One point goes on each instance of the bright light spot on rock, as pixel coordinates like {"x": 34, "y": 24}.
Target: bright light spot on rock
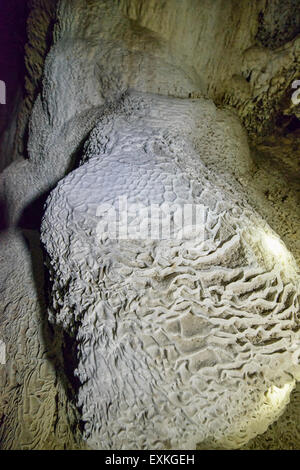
{"x": 279, "y": 397}
{"x": 275, "y": 245}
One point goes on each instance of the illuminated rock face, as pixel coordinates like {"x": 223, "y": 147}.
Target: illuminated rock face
{"x": 81, "y": 57}
{"x": 180, "y": 341}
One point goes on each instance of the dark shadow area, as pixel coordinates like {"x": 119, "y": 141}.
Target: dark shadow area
{"x": 287, "y": 124}
{"x": 61, "y": 349}
{"x": 3, "y": 216}
{"x": 279, "y": 23}
{"x": 13, "y": 37}
{"x": 293, "y": 125}
{"x": 31, "y": 217}
{"x": 25, "y": 141}
{"x": 76, "y": 155}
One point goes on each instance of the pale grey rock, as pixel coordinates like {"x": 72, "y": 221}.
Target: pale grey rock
{"x": 97, "y": 51}
{"x": 180, "y": 342}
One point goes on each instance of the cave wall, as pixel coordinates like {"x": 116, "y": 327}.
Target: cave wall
{"x": 81, "y": 56}
{"x": 12, "y": 67}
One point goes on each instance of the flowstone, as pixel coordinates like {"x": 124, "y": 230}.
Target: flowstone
{"x": 181, "y": 341}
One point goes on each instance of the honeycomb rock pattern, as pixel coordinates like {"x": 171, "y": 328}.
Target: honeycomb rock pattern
{"x": 181, "y": 342}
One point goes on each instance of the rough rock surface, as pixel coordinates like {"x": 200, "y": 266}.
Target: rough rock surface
{"x": 98, "y": 50}
{"x": 179, "y": 342}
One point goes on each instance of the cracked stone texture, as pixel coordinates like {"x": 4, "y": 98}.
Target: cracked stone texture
{"x": 81, "y": 57}
{"x": 179, "y": 342}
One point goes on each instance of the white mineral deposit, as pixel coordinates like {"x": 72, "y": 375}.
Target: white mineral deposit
{"x": 150, "y": 244}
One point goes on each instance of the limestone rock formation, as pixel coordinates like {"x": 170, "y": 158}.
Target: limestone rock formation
{"x": 182, "y": 340}
{"x": 199, "y": 91}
